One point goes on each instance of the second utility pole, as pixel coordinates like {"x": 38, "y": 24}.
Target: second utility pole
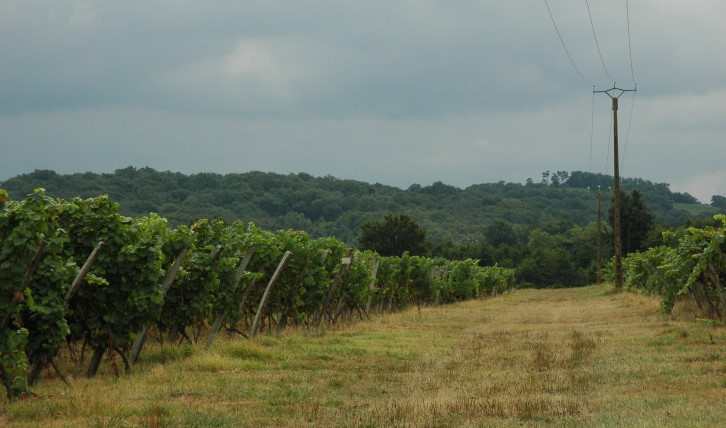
{"x": 616, "y": 185}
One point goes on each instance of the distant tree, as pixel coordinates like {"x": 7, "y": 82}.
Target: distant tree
{"x": 545, "y": 177}
{"x": 683, "y": 198}
{"x": 547, "y": 267}
{"x": 439, "y": 188}
{"x": 540, "y": 239}
{"x": 510, "y": 256}
{"x": 701, "y": 223}
{"x": 394, "y": 235}
{"x": 636, "y": 222}
{"x": 500, "y": 232}
{"x": 718, "y": 201}
{"x": 452, "y": 251}
{"x": 559, "y": 177}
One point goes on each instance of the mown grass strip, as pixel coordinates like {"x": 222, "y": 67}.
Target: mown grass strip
{"x": 576, "y": 357}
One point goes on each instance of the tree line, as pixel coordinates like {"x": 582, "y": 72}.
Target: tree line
{"x": 563, "y": 254}
{"x": 328, "y": 206}
{"x": 545, "y": 229}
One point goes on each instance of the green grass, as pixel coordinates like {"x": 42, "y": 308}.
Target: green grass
{"x": 697, "y": 209}
{"x": 569, "y": 357}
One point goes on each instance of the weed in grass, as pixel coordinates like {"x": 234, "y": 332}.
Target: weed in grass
{"x": 712, "y": 370}
{"x": 282, "y": 394}
{"x": 581, "y": 347}
{"x": 166, "y": 354}
{"x": 109, "y": 422}
{"x": 321, "y": 357}
{"x": 580, "y": 381}
{"x": 33, "y": 408}
{"x": 268, "y": 340}
{"x": 336, "y": 383}
{"x": 245, "y": 350}
{"x": 661, "y": 341}
{"x": 155, "y": 417}
{"x": 194, "y": 418}
{"x": 707, "y": 358}
{"x": 312, "y": 411}
{"x": 544, "y": 358}
{"x": 425, "y": 412}
{"x": 676, "y": 333}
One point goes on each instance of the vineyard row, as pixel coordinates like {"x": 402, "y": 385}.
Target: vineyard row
{"x": 78, "y": 272}
{"x": 692, "y": 263}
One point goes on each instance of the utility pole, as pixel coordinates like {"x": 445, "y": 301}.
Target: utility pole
{"x": 598, "y": 237}
{"x": 614, "y": 93}
{"x": 598, "y": 258}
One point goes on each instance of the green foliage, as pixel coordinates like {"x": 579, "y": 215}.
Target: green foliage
{"x": 13, "y": 359}
{"x": 697, "y": 210}
{"x": 31, "y": 296}
{"x": 500, "y": 232}
{"x": 636, "y": 222}
{"x": 646, "y": 272}
{"x": 122, "y": 293}
{"x": 327, "y": 206}
{"x": 693, "y": 263}
{"x": 547, "y": 267}
{"x": 718, "y": 201}
{"x": 394, "y": 235}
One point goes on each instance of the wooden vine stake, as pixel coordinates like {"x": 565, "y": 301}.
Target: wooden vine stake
{"x": 237, "y": 279}
{"x": 371, "y": 287}
{"x": 90, "y": 260}
{"x": 347, "y": 262}
{"x": 288, "y": 307}
{"x": 83, "y": 272}
{"x": 182, "y": 329}
{"x": 166, "y": 285}
{"x": 333, "y": 288}
{"x": 261, "y": 307}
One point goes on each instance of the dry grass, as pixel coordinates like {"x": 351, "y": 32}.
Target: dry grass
{"x": 580, "y": 357}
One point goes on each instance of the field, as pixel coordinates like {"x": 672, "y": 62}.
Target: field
{"x": 697, "y": 209}
{"x": 567, "y": 357}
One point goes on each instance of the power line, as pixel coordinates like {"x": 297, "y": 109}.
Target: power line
{"x": 627, "y": 134}
{"x": 632, "y": 74}
{"x": 596, "y": 42}
{"x": 592, "y": 126}
{"x": 630, "y": 49}
{"x": 610, "y": 133}
{"x": 565, "y": 47}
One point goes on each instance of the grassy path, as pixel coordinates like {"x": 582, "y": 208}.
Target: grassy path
{"x": 577, "y": 357}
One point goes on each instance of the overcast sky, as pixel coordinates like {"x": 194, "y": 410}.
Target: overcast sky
{"x": 395, "y": 92}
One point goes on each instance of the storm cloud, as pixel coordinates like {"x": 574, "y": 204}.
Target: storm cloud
{"x": 396, "y": 92}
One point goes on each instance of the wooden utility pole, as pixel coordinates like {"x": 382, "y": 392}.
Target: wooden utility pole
{"x": 598, "y": 258}
{"x": 614, "y": 93}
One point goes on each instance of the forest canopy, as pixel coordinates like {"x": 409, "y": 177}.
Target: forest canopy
{"x": 329, "y": 206}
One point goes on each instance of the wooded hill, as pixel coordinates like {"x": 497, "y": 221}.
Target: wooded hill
{"x": 328, "y": 206}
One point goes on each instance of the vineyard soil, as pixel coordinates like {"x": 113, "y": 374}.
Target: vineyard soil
{"x": 567, "y": 357}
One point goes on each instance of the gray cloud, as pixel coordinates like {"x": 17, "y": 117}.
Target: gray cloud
{"x": 395, "y": 92}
